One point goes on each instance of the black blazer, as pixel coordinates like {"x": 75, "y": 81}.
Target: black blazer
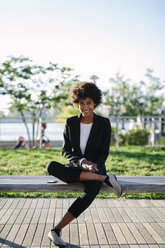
{"x": 97, "y": 148}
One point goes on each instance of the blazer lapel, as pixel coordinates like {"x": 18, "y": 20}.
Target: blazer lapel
{"x": 93, "y": 133}
{"x": 77, "y": 133}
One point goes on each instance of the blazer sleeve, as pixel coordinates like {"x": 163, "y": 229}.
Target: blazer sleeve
{"x": 67, "y": 150}
{"x": 104, "y": 148}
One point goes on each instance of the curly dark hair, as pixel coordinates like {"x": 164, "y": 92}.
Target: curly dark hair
{"x": 85, "y": 89}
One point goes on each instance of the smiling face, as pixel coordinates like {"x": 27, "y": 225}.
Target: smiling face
{"x": 86, "y": 106}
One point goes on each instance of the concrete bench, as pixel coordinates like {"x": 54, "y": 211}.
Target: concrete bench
{"x": 130, "y": 184}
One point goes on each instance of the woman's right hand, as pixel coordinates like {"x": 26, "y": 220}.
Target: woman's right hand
{"x": 92, "y": 167}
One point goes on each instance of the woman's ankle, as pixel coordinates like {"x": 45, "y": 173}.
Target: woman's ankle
{"x": 57, "y": 231}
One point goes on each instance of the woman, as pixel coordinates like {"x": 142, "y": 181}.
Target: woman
{"x": 86, "y": 146}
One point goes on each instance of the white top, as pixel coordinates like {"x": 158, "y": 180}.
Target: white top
{"x": 84, "y": 135}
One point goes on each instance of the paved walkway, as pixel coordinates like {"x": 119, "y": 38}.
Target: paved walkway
{"x": 107, "y": 223}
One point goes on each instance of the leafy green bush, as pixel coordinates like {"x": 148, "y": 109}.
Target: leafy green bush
{"x": 134, "y": 137}
{"x": 161, "y": 141}
{"x": 113, "y": 136}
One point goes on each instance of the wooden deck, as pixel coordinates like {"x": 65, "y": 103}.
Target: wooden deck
{"x": 106, "y": 223}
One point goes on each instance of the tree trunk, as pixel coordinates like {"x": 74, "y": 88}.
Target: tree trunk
{"x": 27, "y": 129}
{"x": 38, "y": 129}
{"x": 33, "y": 128}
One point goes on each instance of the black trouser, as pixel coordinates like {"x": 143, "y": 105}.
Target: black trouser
{"x": 68, "y": 175}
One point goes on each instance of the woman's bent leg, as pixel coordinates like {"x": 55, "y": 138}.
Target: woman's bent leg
{"x": 79, "y": 205}
{"x": 65, "y": 174}
{"x": 68, "y": 174}
{"x": 92, "y": 188}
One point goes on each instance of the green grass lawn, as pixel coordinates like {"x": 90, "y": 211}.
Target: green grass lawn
{"x": 130, "y": 161}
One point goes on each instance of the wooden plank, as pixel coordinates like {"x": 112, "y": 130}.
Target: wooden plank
{"x": 118, "y": 233}
{"x": 102, "y": 215}
{"x": 14, "y": 216}
{"x": 46, "y": 204}
{"x": 3, "y": 202}
{"x": 134, "y": 246}
{"x": 37, "y": 240}
{"x": 27, "y": 203}
{"x": 80, "y": 219}
{"x": 58, "y": 215}
{"x": 110, "y": 215}
{"x": 2, "y": 213}
{"x": 118, "y": 203}
{"x": 153, "y": 214}
{"x": 135, "y": 203}
{"x": 21, "y": 203}
{"x": 4, "y": 233}
{"x": 92, "y": 234}
{"x": 124, "y": 215}
{"x": 9, "y": 241}
{"x": 154, "y": 246}
{"x": 14, "y": 203}
{"x": 40, "y": 203}
{"x": 21, "y": 216}
{"x": 155, "y": 203}
{"x": 145, "y": 203}
{"x": 95, "y": 215}
{"x": 161, "y": 202}
{"x": 131, "y": 184}
{"x": 137, "y": 212}
{"x": 145, "y": 233}
{"x": 74, "y": 236}
{"x": 104, "y": 203}
{"x": 105, "y": 246}
{"x": 160, "y": 229}
{"x": 160, "y": 212}
{"x": 6, "y": 216}
{"x": 83, "y": 234}
{"x": 117, "y": 215}
{"x": 111, "y": 203}
{"x": 34, "y": 203}
{"x": 36, "y": 216}
{"x": 101, "y": 234}
{"x": 45, "y": 240}
{"x": 43, "y": 216}
{"x": 98, "y": 203}
{"x": 65, "y": 235}
{"x": 29, "y": 235}
{"x": 21, "y": 234}
{"x": 127, "y": 234}
{"x": 124, "y": 246}
{"x": 110, "y": 234}
{"x": 88, "y": 216}
{"x": 65, "y": 203}
{"x": 146, "y": 215}
{"x": 153, "y": 233}
{"x": 115, "y": 246}
{"x": 29, "y": 215}
{"x": 59, "y": 203}
{"x": 136, "y": 233}
{"x": 53, "y": 203}
{"x": 50, "y": 216}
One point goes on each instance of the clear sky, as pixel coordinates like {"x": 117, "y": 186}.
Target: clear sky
{"x": 91, "y": 36}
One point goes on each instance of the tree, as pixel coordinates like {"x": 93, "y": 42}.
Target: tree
{"x": 33, "y": 89}
{"x": 127, "y": 99}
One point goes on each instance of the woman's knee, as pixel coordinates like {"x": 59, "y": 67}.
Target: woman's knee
{"x": 93, "y": 188}
{"x": 50, "y": 166}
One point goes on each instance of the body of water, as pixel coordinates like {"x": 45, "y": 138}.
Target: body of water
{"x": 11, "y": 131}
